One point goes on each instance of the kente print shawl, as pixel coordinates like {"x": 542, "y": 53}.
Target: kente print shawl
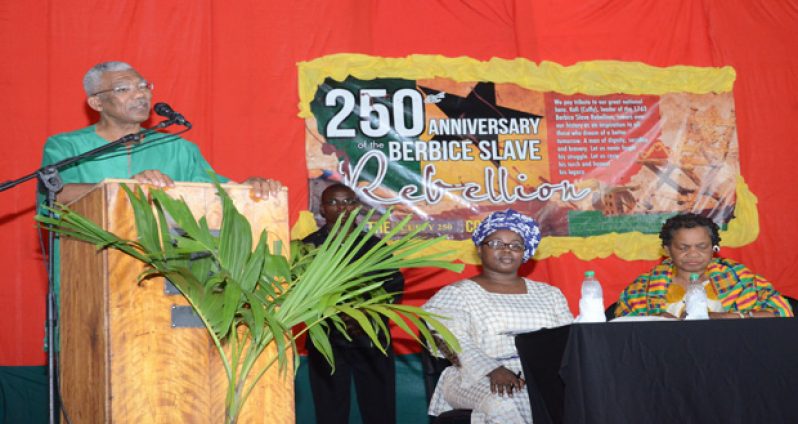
{"x": 738, "y": 288}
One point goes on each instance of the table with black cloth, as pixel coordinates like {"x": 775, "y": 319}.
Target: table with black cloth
{"x": 722, "y": 371}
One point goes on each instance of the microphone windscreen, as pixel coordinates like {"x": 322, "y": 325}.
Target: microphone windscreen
{"x": 164, "y": 110}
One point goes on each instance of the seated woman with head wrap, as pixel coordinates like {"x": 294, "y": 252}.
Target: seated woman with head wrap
{"x": 733, "y": 291}
{"x": 484, "y": 313}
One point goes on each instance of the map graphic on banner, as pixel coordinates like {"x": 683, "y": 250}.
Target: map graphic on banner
{"x": 449, "y": 152}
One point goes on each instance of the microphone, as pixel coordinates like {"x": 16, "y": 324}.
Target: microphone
{"x": 167, "y": 112}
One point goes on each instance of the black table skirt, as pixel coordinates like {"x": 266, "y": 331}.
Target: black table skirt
{"x": 733, "y": 371}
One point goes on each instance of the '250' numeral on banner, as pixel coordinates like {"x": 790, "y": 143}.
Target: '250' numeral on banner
{"x": 375, "y": 117}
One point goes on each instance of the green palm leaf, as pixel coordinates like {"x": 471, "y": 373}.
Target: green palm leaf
{"x": 250, "y": 298}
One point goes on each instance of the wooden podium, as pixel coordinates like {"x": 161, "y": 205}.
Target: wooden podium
{"x": 121, "y": 359}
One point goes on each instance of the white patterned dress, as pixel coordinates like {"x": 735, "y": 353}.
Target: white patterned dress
{"x": 485, "y": 324}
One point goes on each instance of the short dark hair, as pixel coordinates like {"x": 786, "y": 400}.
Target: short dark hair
{"x": 688, "y": 220}
{"x": 336, "y": 186}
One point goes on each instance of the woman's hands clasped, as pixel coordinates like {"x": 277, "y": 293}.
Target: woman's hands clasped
{"x": 504, "y": 381}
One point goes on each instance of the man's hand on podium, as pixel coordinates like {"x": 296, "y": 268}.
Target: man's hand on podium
{"x": 263, "y": 188}
{"x": 155, "y": 178}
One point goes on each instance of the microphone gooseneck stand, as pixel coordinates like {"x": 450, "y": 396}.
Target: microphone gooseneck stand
{"x": 50, "y": 179}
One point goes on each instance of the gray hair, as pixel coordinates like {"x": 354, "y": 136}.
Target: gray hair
{"x": 93, "y": 78}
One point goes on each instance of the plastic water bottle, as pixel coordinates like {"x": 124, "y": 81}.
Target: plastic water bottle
{"x": 591, "y": 305}
{"x": 696, "y": 299}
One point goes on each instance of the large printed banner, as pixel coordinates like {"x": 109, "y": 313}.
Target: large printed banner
{"x": 595, "y": 150}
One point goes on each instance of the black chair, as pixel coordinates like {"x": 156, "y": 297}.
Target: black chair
{"x": 610, "y": 311}
{"x": 433, "y": 367}
{"x": 793, "y": 304}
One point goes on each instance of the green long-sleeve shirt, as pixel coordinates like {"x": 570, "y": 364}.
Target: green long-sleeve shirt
{"x": 176, "y": 157}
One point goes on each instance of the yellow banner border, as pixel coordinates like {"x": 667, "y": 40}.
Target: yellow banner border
{"x": 593, "y": 78}
{"x": 598, "y": 77}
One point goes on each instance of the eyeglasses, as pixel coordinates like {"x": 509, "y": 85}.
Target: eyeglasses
{"x": 341, "y": 202}
{"x": 121, "y": 90}
{"x": 500, "y": 245}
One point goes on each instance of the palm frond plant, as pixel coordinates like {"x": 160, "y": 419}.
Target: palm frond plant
{"x": 250, "y": 297}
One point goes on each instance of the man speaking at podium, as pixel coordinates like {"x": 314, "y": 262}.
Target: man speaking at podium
{"x": 123, "y": 99}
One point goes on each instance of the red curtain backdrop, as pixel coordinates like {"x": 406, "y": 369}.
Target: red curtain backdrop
{"x": 230, "y": 68}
